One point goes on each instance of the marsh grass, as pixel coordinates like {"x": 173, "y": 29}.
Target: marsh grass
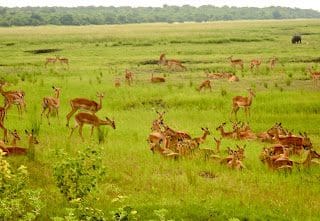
{"x": 98, "y": 54}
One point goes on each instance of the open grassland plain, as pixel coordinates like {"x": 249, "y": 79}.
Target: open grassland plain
{"x": 189, "y": 188}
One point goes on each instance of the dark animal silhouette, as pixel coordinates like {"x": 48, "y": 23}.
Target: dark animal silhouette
{"x": 296, "y": 39}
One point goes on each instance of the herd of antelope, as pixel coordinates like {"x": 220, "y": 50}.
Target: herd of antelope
{"x": 165, "y": 140}
{"x": 51, "y": 104}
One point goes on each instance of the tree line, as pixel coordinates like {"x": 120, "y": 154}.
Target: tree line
{"x": 35, "y": 16}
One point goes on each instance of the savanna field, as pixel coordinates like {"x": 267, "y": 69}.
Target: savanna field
{"x": 190, "y": 188}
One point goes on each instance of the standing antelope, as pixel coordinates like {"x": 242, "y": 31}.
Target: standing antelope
{"x": 255, "y": 63}
{"x": 172, "y": 63}
{"x": 63, "y": 60}
{"x": 13, "y": 97}
{"x": 84, "y": 104}
{"x": 91, "y": 119}
{"x": 315, "y": 75}
{"x": 205, "y": 85}
{"x": 157, "y": 79}
{"x": 50, "y": 60}
{"x": 129, "y": 77}
{"x": 235, "y": 62}
{"x": 5, "y": 131}
{"x": 272, "y": 62}
{"x": 51, "y": 103}
{"x": 245, "y": 102}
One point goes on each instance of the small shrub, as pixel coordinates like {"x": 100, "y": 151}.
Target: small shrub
{"x": 77, "y": 176}
{"x": 124, "y": 213}
{"x": 288, "y": 82}
{"x": 265, "y": 85}
{"x": 275, "y": 84}
{"x": 190, "y": 83}
{"x": 290, "y": 75}
{"x": 223, "y": 92}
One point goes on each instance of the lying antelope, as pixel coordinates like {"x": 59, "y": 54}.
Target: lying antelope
{"x": 315, "y": 75}
{"x": 51, "y": 103}
{"x": 223, "y": 133}
{"x": 84, "y": 104}
{"x": 171, "y": 64}
{"x": 245, "y": 102}
{"x": 157, "y": 79}
{"x": 91, "y": 119}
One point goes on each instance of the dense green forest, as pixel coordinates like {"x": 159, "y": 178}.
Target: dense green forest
{"x": 123, "y": 15}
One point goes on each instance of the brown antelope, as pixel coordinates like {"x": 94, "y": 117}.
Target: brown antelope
{"x": 16, "y": 150}
{"x": 51, "y": 103}
{"x": 218, "y": 143}
{"x": 235, "y": 62}
{"x": 205, "y": 85}
{"x": 5, "y": 131}
{"x": 91, "y": 119}
{"x": 157, "y": 141}
{"x": 85, "y": 104}
{"x": 200, "y": 140}
{"x": 245, "y": 102}
{"x": 117, "y": 82}
{"x": 50, "y": 60}
{"x": 15, "y": 136}
{"x": 157, "y": 79}
{"x": 255, "y": 63}
{"x": 223, "y": 133}
{"x": 235, "y": 162}
{"x": 272, "y": 62}
{"x": 233, "y": 78}
{"x": 129, "y": 77}
{"x": 172, "y": 63}
{"x": 297, "y": 142}
{"x": 315, "y": 75}
{"x": 13, "y": 97}
{"x": 63, "y": 60}
{"x": 214, "y": 75}
{"x": 312, "y": 154}
{"x": 157, "y": 124}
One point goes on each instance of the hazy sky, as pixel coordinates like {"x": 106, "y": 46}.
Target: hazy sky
{"x": 308, "y": 4}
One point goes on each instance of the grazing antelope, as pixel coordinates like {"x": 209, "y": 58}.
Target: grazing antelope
{"x": 172, "y": 63}
{"x": 245, "y": 102}
{"x": 13, "y": 97}
{"x": 16, "y": 150}
{"x": 205, "y": 85}
{"x": 315, "y": 75}
{"x": 91, "y": 119}
{"x": 84, "y": 104}
{"x": 235, "y": 62}
{"x": 50, "y": 60}
{"x": 272, "y": 62}
{"x": 255, "y": 63}
{"x": 5, "y": 131}
{"x": 157, "y": 79}
{"x": 129, "y": 77}
{"x": 51, "y": 103}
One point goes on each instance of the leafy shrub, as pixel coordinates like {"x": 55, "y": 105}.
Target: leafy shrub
{"x": 17, "y": 201}
{"x": 77, "y": 176}
{"x": 124, "y": 213}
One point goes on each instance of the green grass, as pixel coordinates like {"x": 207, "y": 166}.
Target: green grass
{"x": 99, "y": 54}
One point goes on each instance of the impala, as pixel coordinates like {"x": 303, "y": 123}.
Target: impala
{"x": 5, "y": 131}
{"x": 63, "y": 60}
{"x": 218, "y": 143}
{"x": 84, "y": 104}
{"x": 200, "y": 140}
{"x": 272, "y": 62}
{"x": 235, "y": 62}
{"x": 15, "y": 136}
{"x": 91, "y": 119}
{"x": 223, "y": 133}
{"x": 245, "y": 102}
{"x": 157, "y": 79}
{"x": 233, "y": 78}
{"x": 172, "y": 63}
{"x": 128, "y": 76}
{"x": 50, "y": 60}
{"x": 255, "y": 63}
{"x": 315, "y": 75}
{"x": 13, "y": 97}
{"x": 16, "y": 150}
{"x": 117, "y": 82}
{"x": 205, "y": 85}
{"x": 51, "y": 103}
